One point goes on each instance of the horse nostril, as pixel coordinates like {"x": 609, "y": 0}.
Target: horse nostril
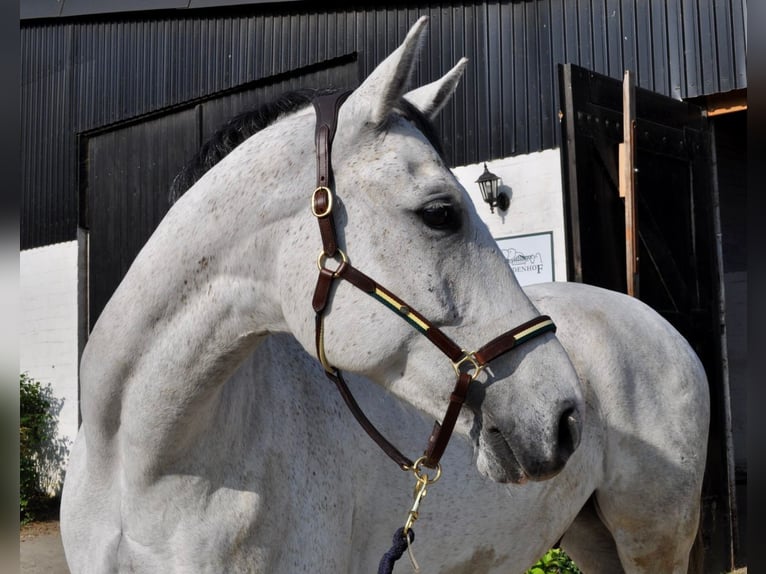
{"x": 569, "y": 433}
{"x": 495, "y": 437}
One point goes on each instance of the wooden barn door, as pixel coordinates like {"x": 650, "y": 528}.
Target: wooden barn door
{"x": 678, "y": 270}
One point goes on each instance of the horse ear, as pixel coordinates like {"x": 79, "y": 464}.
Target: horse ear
{"x": 383, "y": 88}
{"x": 430, "y": 99}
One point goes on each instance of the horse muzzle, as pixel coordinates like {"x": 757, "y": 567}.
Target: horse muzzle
{"x": 518, "y": 452}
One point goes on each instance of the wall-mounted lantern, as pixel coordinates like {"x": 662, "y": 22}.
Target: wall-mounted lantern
{"x": 488, "y": 184}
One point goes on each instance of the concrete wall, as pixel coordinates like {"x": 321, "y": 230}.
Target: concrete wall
{"x": 48, "y": 326}
{"x": 537, "y": 203}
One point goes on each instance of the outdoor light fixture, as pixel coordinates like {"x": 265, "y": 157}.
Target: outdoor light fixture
{"x": 488, "y": 183}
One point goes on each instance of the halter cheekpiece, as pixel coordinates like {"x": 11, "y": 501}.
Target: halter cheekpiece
{"x": 467, "y": 365}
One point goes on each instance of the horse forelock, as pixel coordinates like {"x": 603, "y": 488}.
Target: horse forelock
{"x": 234, "y": 132}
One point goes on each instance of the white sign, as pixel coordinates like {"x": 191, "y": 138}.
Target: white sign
{"x": 530, "y": 256}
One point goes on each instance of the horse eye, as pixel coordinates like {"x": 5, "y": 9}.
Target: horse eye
{"x": 442, "y": 216}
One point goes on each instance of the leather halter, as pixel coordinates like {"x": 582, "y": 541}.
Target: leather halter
{"x": 467, "y": 365}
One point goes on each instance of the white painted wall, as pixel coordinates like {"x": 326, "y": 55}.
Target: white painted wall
{"x": 48, "y": 325}
{"x": 537, "y": 203}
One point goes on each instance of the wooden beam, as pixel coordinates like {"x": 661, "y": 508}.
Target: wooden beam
{"x": 726, "y": 103}
{"x": 571, "y": 197}
{"x": 627, "y": 168}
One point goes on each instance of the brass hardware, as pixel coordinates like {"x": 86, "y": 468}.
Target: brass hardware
{"x": 468, "y": 358}
{"x": 416, "y": 469}
{"x": 323, "y": 258}
{"x": 327, "y": 211}
{"x": 412, "y": 515}
{"x": 421, "y": 486}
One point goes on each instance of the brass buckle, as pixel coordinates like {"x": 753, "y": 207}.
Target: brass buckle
{"x": 327, "y": 211}
{"x": 468, "y": 358}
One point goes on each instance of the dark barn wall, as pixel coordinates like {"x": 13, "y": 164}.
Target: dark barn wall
{"x": 86, "y": 73}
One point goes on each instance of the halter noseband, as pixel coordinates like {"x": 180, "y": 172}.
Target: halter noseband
{"x": 467, "y": 365}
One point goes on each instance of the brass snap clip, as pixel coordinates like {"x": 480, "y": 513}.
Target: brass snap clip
{"x": 420, "y": 490}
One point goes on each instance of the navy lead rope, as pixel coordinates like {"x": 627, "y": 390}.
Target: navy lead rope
{"x": 386, "y": 565}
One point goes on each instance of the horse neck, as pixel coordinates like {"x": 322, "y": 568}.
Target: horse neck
{"x": 198, "y": 298}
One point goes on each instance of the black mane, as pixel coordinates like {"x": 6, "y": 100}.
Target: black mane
{"x": 244, "y": 125}
{"x": 236, "y": 131}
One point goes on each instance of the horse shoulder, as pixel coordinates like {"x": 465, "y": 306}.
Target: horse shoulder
{"x": 650, "y": 385}
{"x": 609, "y": 334}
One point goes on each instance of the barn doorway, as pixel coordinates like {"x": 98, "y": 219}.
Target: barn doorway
{"x": 680, "y": 268}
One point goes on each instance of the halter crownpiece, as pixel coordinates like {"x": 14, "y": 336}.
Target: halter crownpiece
{"x": 467, "y": 365}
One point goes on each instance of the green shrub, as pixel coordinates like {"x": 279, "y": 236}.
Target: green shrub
{"x": 37, "y": 432}
{"x": 555, "y": 561}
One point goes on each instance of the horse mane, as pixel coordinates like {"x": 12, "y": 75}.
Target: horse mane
{"x": 236, "y": 131}
{"x": 242, "y": 126}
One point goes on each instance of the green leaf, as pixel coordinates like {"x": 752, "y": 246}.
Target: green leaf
{"x": 555, "y": 561}
{"x": 36, "y": 428}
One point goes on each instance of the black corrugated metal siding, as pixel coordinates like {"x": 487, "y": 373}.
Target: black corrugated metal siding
{"x": 31, "y": 9}
{"x": 81, "y": 75}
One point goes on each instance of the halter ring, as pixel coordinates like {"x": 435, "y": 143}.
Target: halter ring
{"x": 328, "y": 210}
{"x": 421, "y": 475}
{"x": 468, "y": 358}
{"x": 323, "y": 258}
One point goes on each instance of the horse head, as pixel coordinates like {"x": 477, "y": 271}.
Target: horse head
{"x": 403, "y": 218}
